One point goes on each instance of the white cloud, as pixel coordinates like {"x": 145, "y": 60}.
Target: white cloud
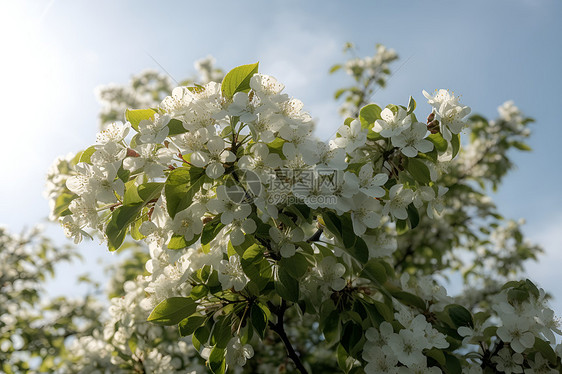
{"x": 298, "y": 50}
{"x": 299, "y": 53}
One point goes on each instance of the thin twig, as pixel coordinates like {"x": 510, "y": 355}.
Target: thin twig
{"x": 279, "y": 328}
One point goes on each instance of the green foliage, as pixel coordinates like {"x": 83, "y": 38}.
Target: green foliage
{"x": 135, "y": 116}
{"x": 300, "y": 289}
{"x": 369, "y": 114}
{"x": 238, "y": 80}
{"x": 182, "y": 184}
{"x": 419, "y": 170}
{"x": 172, "y": 311}
{"x": 440, "y": 144}
{"x": 135, "y": 200}
{"x": 342, "y": 228}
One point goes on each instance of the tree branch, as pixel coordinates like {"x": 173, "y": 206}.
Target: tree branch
{"x": 279, "y": 328}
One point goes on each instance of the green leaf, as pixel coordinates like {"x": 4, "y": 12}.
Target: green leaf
{"x": 134, "y": 230}
{"x": 393, "y": 108}
{"x": 374, "y": 271}
{"x": 532, "y": 288}
{"x": 134, "y": 116}
{"x": 478, "y": 118}
{"x": 217, "y": 363}
{"x": 351, "y": 337}
{"x": 211, "y": 230}
{"x": 437, "y": 355}
{"x": 176, "y": 127}
{"x": 345, "y": 362}
{"x": 438, "y": 141}
{"x": 331, "y": 327}
{"x": 131, "y": 195}
{"x": 259, "y": 320}
{"x": 253, "y": 253}
{"x": 238, "y": 80}
{"x": 460, "y": 315}
{"x": 401, "y": 226}
{"x": 373, "y": 313}
{"x": 182, "y": 184}
{"x": 411, "y": 105}
{"x": 188, "y": 325}
{"x": 276, "y": 146}
{"x": 201, "y": 335}
{"x": 386, "y": 312}
{"x": 519, "y": 145}
{"x": 335, "y": 68}
{"x": 133, "y": 343}
{"x": 456, "y": 143}
{"x": 546, "y": 350}
{"x": 339, "y": 92}
{"x": 407, "y": 298}
{"x": 62, "y": 202}
{"x": 419, "y": 170}
{"x": 179, "y": 242}
{"x": 413, "y": 216}
{"x": 517, "y": 295}
{"x": 369, "y": 114}
{"x": 260, "y": 273}
{"x": 123, "y": 216}
{"x": 199, "y": 291}
{"x": 222, "y": 332}
{"x": 149, "y": 191}
{"x": 296, "y": 265}
{"x": 286, "y": 286}
{"x": 452, "y": 363}
{"x": 430, "y": 156}
{"x": 87, "y": 154}
{"x": 342, "y": 228}
{"x": 123, "y": 174}
{"x": 173, "y": 310}
{"x": 118, "y": 225}
{"x": 333, "y": 224}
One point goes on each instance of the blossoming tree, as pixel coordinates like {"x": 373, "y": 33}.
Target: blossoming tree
{"x": 264, "y": 240}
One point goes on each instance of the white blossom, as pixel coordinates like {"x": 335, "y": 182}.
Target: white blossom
{"x": 154, "y": 130}
{"x": 214, "y": 158}
{"x": 392, "y": 124}
{"x": 237, "y": 353}
{"x": 448, "y": 112}
{"x": 231, "y": 274}
{"x": 411, "y": 140}
{"x": 351, "y": 137}
{"x": 366, "y": 213}
{"x": 400, "y": 198}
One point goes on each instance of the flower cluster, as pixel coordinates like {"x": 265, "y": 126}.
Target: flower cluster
{"x": 33, "y": 328}
{"x": 247, "y": 215}
{"x": 368, "y": 73}
{"x": 146, "y": 88}
{"x": 527, "y": 328}
{"x": 140, "y": 345}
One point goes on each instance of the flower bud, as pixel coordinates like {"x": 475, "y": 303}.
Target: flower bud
{"x": 433, "y": 126}
{"x": 430, "y": 118}
{"x": 132, "y": 153}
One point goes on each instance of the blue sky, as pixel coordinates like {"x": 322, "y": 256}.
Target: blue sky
{"x": 57, "y": 52}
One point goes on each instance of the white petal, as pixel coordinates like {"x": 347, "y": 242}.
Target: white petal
{"x": 237, "y": 236}
{"x": 214, "y": 170}
{"x": 199, "y": 159}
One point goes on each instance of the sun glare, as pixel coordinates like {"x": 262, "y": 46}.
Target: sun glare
{"x": 29, "y": 83}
